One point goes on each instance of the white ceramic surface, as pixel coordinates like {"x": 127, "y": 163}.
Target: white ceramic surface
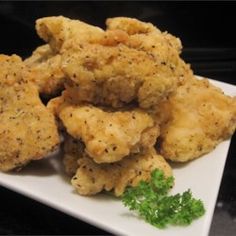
{"x": 46, "y": 182}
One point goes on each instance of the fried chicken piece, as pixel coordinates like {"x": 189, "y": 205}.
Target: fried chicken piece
{"x": 58, "y": 30}
{"x": 73, "y": 150}
{"x": 144, "y": 36}
{"x": 92, "y": 178}
{"x": 197, "y": 118}
{"x": 130, "y": 25}
{"x": 43, "y": 68}
{"x": 121, "y": 68}
{"x": 27, "y": 129}
{"x": 131, "y": 61}
{"x": 114, "y": 76}
{"x": 109, "y": 136}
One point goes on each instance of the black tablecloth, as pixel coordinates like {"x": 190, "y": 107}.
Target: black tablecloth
{"x": 209, "y": 45}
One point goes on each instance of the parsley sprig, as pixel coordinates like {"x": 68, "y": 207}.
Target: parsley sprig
{"x": 152, "y": 202}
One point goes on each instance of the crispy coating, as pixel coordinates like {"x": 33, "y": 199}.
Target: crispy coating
{"x": 27, "y": 129}
{"x": 161, "y": 45}
{"x": 197, "y": 118}
{"x": 58, "y": 30}
{"x": 115, "y": 76}
{"x": 130, "y": 25}
{"x": 92, "y": 178}
{"x": 43, "y": 68}
{"x": 109, "y": 136}
{"x": 143, "y": 35}
{"x": 130, "y": 61}
{"x": 122, "y": 68}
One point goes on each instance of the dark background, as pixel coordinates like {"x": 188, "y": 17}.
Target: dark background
{"x": 207, "y": 33}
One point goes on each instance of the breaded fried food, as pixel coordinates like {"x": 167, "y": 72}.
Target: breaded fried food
{"x": 27, "y": 129}
{"x": 43, "y": 68}
{"x": 109, "y": 136}
{"x": 115, "y": 76}
{"x": 121, "y": 68}
{"x": 130, "y": 61}
{"x": 92, "y": 178}
{"x": 73, "y": 150}
{"x": 146, "y": 37}
{"x": 58, "y": 30}
{"x": 130, "y": 25}
{"x": 197, "y": 118}
{"x": 143, "y": 36}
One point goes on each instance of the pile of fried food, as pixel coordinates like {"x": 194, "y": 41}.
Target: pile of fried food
{"x": 122, "y": 97}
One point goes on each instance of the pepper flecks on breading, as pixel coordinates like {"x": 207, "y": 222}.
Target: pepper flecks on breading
{"x": 116, "y": 66}
{"x": 109, "y": 136}
{"x": 116, "y": 76}
{"x": 194, "y": 120}
{"x": 27, "y": 129}
{"x": 92, "y": 178}
{"x": 58, "y": 30}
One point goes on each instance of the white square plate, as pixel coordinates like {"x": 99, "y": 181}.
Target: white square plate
{"x": 46, "y": 182}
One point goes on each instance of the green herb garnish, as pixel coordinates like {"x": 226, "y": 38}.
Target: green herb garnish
{"x": 152, "y": 203}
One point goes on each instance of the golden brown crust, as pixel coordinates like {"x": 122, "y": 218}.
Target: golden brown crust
{"x": 59, "y": 30}
{"x": 197, "y": 118}
{"x": 130, "y": 61}
{"x": 91, "y": 178}
{"x": 27, "y": 129}
{"x": 109, "y": 136}
{"x": 130, "y": 25}
{"x": 116, "y": 76}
